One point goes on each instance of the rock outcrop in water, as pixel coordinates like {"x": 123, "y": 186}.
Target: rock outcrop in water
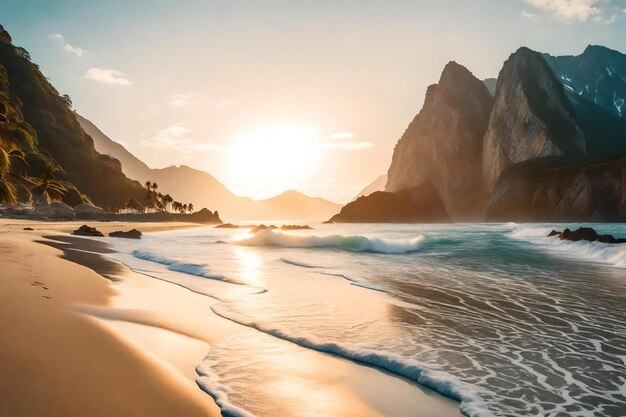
{"x": 131, "y": 234}
{"x": 531, "y": 117}
{"x": 85, "y": 230}
{"x": 418, "y": 204}
{"x": 585, "y": 233}
{"x": 443, "y": 144}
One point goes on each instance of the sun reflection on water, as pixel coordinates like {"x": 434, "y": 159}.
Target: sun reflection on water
{"x": 249, "y": 266}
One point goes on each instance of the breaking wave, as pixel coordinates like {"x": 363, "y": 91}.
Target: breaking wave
{"x": 199, "y": 270}
{"x": 613, "y": 254}
{"x": 348, "y": 243}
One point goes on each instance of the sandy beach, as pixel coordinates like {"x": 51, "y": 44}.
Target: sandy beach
{"x": 56, "y": 361}
{"x": 83, "y": 335}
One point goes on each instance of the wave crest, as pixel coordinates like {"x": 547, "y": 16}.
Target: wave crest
{"x": 351, "y": 243}
{"x": 200, "y": 270}
{"x": 612, "y": 254}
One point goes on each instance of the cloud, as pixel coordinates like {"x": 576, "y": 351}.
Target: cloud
{"x": 531, "y": 16}
{"x": 225, "y": 104}
{"x": 347, "y": 146}
{"x": 76, "y": 50}
{"x": 181, "y": 100}
{"x": 342, "y": 135}
{"x": 177, "y": 137}
{"x": 343, "y": 141}
{"x": 107, "y": 76}
{"x": 571, "y": 10}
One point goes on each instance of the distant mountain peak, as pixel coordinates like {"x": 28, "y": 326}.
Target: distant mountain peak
{"x": 598, "y": 75}
{"x": 188, "y": 184}
{"x": 595, "y": 49}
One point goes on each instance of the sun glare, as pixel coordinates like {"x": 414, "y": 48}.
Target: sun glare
{"x": 273, "y": 159}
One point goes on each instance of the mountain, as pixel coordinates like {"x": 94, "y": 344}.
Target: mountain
{"x": 552, "y": 144}
{"x": 443, "y": 145}
{"x": 41, "y": 122}
{"x": 598, "y": 74}
{"x": 185, "y": 183}
{"x": 293, "y": 205}
{"x": 377, "y": 185}
{"x": 570, "y": 185}
{"x": 531, "y": 117}
{"x": 595, "y": 84}
{"x": 491, "y": 83}
{"x": 418, "y": 204}
{"x": 203, "y": 190}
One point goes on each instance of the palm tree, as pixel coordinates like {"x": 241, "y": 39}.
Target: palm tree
{"x": 184, "y": 208}
{"x": 9, "y": 153}
{"x": 190, "y": 207}
{"x": 176, "y": 206}
{"x": 159, "y": 201}
{"x": 133, "y": 205}
{"x": 167, "y": 200}
{"x": 46, "y": 188}
{"x": 149, "y": 199}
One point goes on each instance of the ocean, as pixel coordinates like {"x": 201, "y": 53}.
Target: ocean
{"x": 497, "y": 316}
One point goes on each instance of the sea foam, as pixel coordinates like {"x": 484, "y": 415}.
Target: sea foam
{"x": 471, "y": 402}
{"x": 613, "y": 254}
{"x": 347, "y": 243}
{"x": 200, "y": 270}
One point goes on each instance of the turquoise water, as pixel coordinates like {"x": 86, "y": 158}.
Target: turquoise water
{"x": 498, "y": 316}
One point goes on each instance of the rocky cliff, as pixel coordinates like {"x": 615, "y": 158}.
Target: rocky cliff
{"x": 550, "y": 146}
{"x": 417, "y": 204}
{"x": 531, "y": 117}
{"x": 377, "y": 185}
{"x": 443, "y": 144}
{"x": 560, "y": 189}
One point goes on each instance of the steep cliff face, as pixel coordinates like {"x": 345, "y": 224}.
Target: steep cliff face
{"x": 49, "y": 132}
{"x": 443, "y": 144}
{"x": 417, "y": 204}
{"x": 531, "y": 118}
{"x": 560, "y": 189}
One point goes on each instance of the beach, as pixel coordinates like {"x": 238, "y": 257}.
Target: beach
{"x": 85, "y": 335}
{"x": 56, "y": 361}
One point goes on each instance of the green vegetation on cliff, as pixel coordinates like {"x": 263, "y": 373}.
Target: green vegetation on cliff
{"x": 36, "y": 120}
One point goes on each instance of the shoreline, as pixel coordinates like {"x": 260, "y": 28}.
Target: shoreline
{"x": 167, "y": 338}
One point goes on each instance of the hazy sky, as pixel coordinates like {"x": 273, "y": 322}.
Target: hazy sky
{"x": 182, "y": 82}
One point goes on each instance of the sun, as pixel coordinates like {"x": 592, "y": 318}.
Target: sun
{"x": 272, "y": 159}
